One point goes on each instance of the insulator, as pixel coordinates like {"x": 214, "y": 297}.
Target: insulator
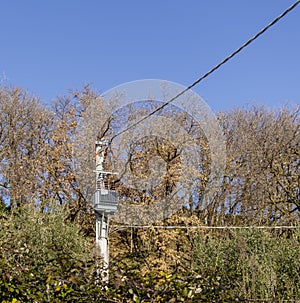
{"x": 106, "y": 184}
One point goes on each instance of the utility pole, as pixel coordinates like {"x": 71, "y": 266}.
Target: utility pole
{"x": 105, "y": 204}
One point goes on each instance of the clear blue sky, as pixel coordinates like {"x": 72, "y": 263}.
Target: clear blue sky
{"x": 49, "y": 47}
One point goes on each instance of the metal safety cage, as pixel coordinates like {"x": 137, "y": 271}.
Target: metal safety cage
{"x": 106, "y": 200}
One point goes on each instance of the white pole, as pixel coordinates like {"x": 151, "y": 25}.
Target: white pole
{"x": 101, "y": 217}
{"x": 102, "y": 242}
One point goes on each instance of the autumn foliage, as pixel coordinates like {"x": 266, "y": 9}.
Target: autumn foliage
{"x": 47, "y": 220}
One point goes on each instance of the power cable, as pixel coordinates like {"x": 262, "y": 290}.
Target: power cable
{"x": 210, "y": 71}
{"x": 205, "y": 227}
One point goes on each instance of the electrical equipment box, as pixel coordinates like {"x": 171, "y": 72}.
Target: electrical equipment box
{"x": 106, "y": 200}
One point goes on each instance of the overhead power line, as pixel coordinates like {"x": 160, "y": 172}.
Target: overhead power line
{"x": 211, "y": 70}
{"x": 204, "y": 227}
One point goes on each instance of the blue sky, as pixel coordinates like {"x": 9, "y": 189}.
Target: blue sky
{"x": 49, "y": 47}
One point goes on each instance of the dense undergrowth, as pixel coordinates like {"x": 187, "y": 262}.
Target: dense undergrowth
{"x": 45, "y": 258}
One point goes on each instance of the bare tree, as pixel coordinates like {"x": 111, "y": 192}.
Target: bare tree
{"x": 262, "y": 179}
{"x": 24, "y": 136}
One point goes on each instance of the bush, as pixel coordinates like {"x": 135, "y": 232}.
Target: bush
{"x": 252, "y": 264}
{"x": 43, "y": 258}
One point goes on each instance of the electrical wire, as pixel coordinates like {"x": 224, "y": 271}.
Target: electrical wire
{"x": 211, "y": 70}
{"x": 204, "y": 227}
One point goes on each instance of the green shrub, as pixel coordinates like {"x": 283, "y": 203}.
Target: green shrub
{"x": 254, "y": 264}
{"x": 44, "y": 258}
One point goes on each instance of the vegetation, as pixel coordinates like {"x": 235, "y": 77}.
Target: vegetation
{"x": 47, "y": 251}
{"x": 45, "y": 258}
